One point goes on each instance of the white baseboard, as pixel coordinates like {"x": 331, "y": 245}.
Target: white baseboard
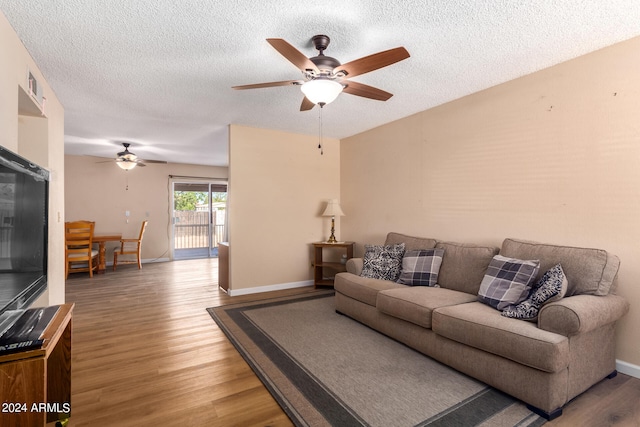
{"x": 147, "y": 261}
{"x": 628, "y": 368}
{"x": 270, "y": 288}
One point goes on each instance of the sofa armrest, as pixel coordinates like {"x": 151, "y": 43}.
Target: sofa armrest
{"x": 354, "y": 265}
{"x": 581, "y": 313}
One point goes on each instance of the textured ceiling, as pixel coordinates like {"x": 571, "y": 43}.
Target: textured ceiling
{"x": 158, "y": 73}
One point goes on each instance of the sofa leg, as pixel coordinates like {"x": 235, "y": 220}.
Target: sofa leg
{"x": 544, "y": 414}
{"x": 558, "y": 412}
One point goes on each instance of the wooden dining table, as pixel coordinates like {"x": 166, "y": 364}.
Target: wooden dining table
{"x": 101, "y": 239}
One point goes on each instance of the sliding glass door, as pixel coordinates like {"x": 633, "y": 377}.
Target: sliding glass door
{"x": 199, "y": 218}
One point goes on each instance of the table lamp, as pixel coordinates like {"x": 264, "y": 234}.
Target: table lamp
{"x": 333, "y": 209}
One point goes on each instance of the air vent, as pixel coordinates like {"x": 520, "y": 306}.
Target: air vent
{"x": 35, "y": 90}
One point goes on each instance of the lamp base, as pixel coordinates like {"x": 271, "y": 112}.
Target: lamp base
{"x": 332, "y": 238}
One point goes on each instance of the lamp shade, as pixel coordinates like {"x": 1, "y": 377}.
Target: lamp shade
{"x": 321, "y": 90}
{"x": 333, "y": 209}
{"x": 126, "y": 164}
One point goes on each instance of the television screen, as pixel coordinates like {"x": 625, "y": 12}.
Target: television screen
{"x": 24, "y": 195}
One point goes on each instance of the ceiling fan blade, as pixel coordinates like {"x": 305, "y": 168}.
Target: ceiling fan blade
{"x": 306, "y": 104}
{"x": 271, "y": 84}
{"x": 366, "y": 91}
{"x": 373, "y": 62}
{"x": 153, "y": 161}
{"x": 294, "y": 56}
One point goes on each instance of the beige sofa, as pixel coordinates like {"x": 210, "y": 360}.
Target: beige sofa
{"x": 544, "y": 364}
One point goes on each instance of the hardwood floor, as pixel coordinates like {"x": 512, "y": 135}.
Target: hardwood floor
{"x": 145, "y": 353}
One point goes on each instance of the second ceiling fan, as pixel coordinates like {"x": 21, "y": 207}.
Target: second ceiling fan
{"x": 325, "y": 77}
{"x": 127, "y": 160}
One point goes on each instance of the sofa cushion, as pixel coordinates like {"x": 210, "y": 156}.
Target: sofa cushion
{"x": 507, "y": 281}
{"x": 415, "y": 304}
{"x": 480, "y": 326}
{"x": 410, "y": 243}
{"x": 551, "y": 287}
{"x": 463, "y": 266}
{"x": 382, "y": 262}
{"x": 421, "y": 267}
{"x": 361, "y": 288}
{"x": 588, "y": 271}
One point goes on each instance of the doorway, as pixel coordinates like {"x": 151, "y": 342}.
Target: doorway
{"x": 199, "y": 218}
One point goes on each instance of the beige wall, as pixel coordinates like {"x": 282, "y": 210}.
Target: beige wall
{"x": 97, "y": 190}
{"x": 279, "y": 185}
{"x": 553, "y": 157}
{"x": 38, "y": 138}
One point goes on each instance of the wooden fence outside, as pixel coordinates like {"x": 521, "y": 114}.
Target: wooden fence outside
{"x": 191, "y": 229}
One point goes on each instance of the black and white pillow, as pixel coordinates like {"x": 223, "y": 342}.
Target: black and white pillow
{"x": 507, "y": 281}
{"x": 421, "y": 267}
{"x": 382, "y": 262}
{"x": 552, "y": 286}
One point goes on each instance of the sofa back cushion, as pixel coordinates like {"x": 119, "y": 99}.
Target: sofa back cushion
{"x": 410, "y": 243}
{"x": 588, "y": 271}
{"x": 464, "y": 266}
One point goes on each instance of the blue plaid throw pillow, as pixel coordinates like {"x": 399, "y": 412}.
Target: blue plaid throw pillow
{"x": 421, "y": 267}
{"x": 507, "y": 281}
{"x": 382, "y": 262}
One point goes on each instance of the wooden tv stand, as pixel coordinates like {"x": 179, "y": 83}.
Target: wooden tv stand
{"x": 35, "y": 385}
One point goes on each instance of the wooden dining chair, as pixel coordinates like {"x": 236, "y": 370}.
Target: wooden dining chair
{"x": 130, "y": 247}
{"x": 78, "y": 250}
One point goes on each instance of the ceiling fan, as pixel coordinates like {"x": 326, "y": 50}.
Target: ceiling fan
{"x": 127, "y": 160}
{"x": 324, "y": 77}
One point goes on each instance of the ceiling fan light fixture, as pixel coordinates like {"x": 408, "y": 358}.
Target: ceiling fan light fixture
{"x": 321, "y": 90}
{"x": 126, "y": 165}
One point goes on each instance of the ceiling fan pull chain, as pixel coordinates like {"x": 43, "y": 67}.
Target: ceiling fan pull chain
{"x": 320, "y": 129}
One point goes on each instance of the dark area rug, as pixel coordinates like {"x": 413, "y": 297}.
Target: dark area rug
{"x": 327, "y": 369}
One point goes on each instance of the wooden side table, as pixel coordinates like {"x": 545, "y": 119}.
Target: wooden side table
{"x": 320, "y": 267}
{"x": 36, "y": 384}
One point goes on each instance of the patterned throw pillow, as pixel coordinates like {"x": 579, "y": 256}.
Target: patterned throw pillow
{"x": 507, "y": 281}
{"x": 552, "y": 286}
{"x": 382, "y": 262}
{"x": 421, "y": 267}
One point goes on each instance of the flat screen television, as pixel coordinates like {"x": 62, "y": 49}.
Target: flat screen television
{"x": 24, "y": 201}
